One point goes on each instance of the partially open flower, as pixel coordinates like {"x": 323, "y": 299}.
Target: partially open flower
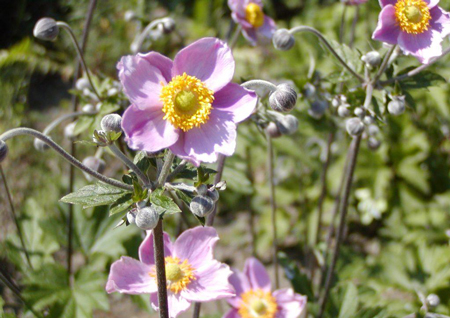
{"x": 46, "y": 29}
{"x": 250, "y": 16}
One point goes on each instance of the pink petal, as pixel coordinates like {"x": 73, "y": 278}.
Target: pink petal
{"x": 241, "y": 284}
{"x": 240, "y": 19}
{"x": 141, "y": 81}
{"x": 146, "y": 252}
{"x": 130, "y": 276}
{"x": 211, "y": 283}
{"x": 232, "y": 313}
{"x": 235, "y": 100}
{"x": 178, "y": 149}
{"x": 196, "y": 245}
{"x": 290, "y": 304}
{"x": 177, "y": 304}
{"x": 432, "y": 3}
{"x": 257, "y": 274}
{"x": 422, "y": 46}
{"x": 208, "y": 59}
{"x": 251, "y": 35}
{"x": 268, "y": 28}
{"x": 387, "y": 29}
{"x": 147, "y": 130}
{"x": 440, "y": 21}
{"x": 164, "y": 64}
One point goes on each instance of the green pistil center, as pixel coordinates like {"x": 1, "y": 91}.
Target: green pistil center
{"x": 413, "y": 14}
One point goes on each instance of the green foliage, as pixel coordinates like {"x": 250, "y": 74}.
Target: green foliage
{"x": 95, "y": 195}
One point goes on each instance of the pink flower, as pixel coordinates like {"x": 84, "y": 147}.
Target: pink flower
{"x": 249, "y": 15}
{"x": 188, "y": 105}
{"x": 255, "y": 299}
{"x": 193, "y": 275}
{"x": 417, "y": 26}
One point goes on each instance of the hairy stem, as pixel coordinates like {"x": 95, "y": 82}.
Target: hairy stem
{"x": 303, "y": 28}
{"x": 235, "y": 36}
{"x": 385, "y": 63}
{"x": 14, "y": 216}
{"x": 197, "y": 307}
{"x": 158, "y": 245}
{"x": 165, "y": 170}
{"x": 31, "y": 132}
{"x": 122, "y": 157}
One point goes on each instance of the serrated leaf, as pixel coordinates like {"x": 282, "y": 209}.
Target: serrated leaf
{"x": 121, "y": 204}
{"x": 349, "y": 305}
{"x": 422, "y": 80}
{"x": 83, "y": 124}
{"x": 163, "y": 204}
{"x": 94, "y": 195}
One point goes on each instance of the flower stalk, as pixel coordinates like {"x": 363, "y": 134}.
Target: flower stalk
{"x": 122, "y": 157}
{"x": 158, "y": 245}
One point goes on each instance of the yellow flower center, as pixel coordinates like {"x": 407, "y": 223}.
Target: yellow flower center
{"x": 254, "y": 15}
{"x": 178, "y": 274}
{"x": 187, "y": 102}
{"x": 413, "y": 16}
{"x": 257, "y": 303}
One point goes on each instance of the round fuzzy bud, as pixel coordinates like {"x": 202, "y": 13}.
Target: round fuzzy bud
{"x": 354, "y": 126}
{"x": 368, "y": 120}
{"x": 202, "y": 189}
{"x": 112, "y": 91}
{"x": 318, "y": 108}
{"x": 111, "y": 122}
{"x": 283, "y": 99}
{"x": 433, "y": 300}
{"x": 147, "y": 218}
{"x": 309, "y": 90}
{"x": 397, "y": 105}
{"x": 88, "y": 108}
{"x": 95, "y": 164}
{"x": 69, "y": 131}
{"x": 283, "y": 40}
{"x": 373, "y": 143}
{"x": 3, "y": 150}
{"x": 131, "y": 216}
{"x": 46, "y": 29}
{"x": 287, "y": 125}
{"x": 202, "y": 205}
{"x": 373, "y": 130}
{"x": 359, "y": 112}
{"x": 372, "y": 59}
{"x": 82, "y": 83}
{"x": 272, "y": 130}
{"x": 168, "y": 25}
{"x": 39, "y": 145}
{"x": 343, "y": 111}
{"x": 336, "y": 101}
{"x": 213, "y": 194}
{"x": 129, "y": 15}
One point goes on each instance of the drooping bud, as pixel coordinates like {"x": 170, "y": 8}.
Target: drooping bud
{"x": 373, "y": 143}
{"x": 343, "y": 111}
{"x": 283, "y": 40}
{"x": 111, "y": 122}
{"x": 147, "y": 218}
{"x": 359, "y": 112}
{"x": 372, "y": 59}
{"x": 69, "y": 131}
{"x": 433, "y": 300}
{"x": 131, "y": 216}
{"x": 46, "y": 29}
{"x": 397, "y": 105}
{"x": 129, "y": 15}
{"x": 82, "y": 83}
{"x": 283, "y": 99}
{"x": 95, "y": 164}
{"x": 272, "y": 130}
{"x": 39, "y": 145}
{"x": 167, "y": 25}
{"x": 354, "y": 126}
{"x": 318, "y": 108}
{"x": 287, "y": 125}
{"x": 3, "y": 150}
{"x": 202, "y": 205}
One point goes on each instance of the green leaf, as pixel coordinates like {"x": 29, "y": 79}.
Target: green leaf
{"x": 422, "y": 80}
{"x": 121, "y": 204}
{"x": 83, "y": 124}
{"x": 108, "y": 108}
{"x": 350, "y": 304}
{"x": 94, "y": 195}
{"x": 300, "y": 282}
{"x": 163, "y": 204}
{"x": 86, "y": 142}
{"x": 350, "y": 56}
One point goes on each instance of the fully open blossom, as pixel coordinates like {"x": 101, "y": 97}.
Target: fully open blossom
{"x": 249, "y": 15}
{"x": 255, "y": 299}
{"x": 417, "y": 26}
{"x": 193, "y": 275}
{"x": 188, "y": 105}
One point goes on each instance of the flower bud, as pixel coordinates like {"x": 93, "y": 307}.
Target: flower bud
{"x": 131, "y": 216}
{"x": 372, "y": 59}
{"x": 111, "y": 122}
{"x": 202, "y": 205}
{"x": 318, "y": 108}
{"x": 354, "y": 126}
{"x": 168, "y": 25}
{"x": 213, "y": 194}
{"x": 129, "y": 15}
{"x": 309, "y": 90}
{"x": 112, "y": 91}
{"x": 272, "y": 130}
{"x": 89, "y": 109}
{"x": 287, "y": 125}
{"x": 202, "y": 189}
{"x": 69, "y": 131}
{"x": 343, "y": 111}
{"x": 82, "y": 83}
{"x": 46, "y": 29}
{"x": 283, "y": 99}
{"x": 373, "y": 130}
{"x": 95, "y": 164}
{"x": 397, "y": 105}
{"x": 368, "y": 120}
{"x": 433, "y": 300}
{"x": 359, "y": 112}
{"x": 39, "y": 145}
{"x": 3, "y": 150}
{"x": 283, "y": 40}
{"x": 101, "y": 138}
{"x": 147, "y": 218}
{"x": 373, "y": 143}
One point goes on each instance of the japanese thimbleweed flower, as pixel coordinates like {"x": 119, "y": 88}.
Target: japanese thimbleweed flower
{"x": 417, "y": 26}
{"x": 250, "y": 16}
{"x": 188, "y": 105}
{"x": 254, "y": 298}
{"x": 192, "y": 274}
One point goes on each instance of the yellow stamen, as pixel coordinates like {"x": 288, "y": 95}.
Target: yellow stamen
{"x": 254, "y": 15}
{"x": 178, "y": 274}
{"x": 413, "y": 16}
{"x": 187, "y": 102}
{"x": 257, "y": 303}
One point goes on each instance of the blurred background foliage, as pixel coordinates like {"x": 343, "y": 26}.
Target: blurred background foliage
{"x": 397, "y": 239}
